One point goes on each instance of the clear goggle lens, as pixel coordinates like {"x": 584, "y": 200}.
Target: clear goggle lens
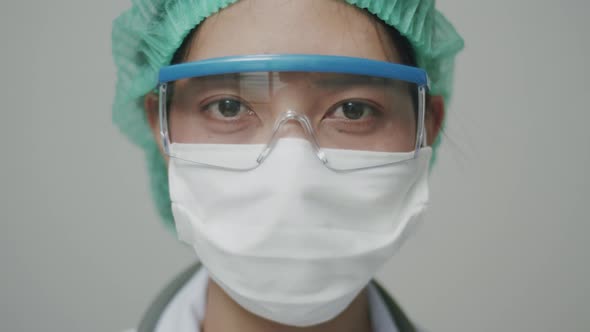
{"x": 333, "y": 111}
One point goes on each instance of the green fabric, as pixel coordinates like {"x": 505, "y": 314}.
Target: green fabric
{"x": 145, "y": 37}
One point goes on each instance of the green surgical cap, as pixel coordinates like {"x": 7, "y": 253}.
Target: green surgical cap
{"x": 146, "y": 36}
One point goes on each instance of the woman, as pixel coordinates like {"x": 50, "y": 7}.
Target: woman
{"x": 290, "y": 143}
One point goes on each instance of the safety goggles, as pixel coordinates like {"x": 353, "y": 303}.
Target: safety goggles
{"x": 250, "y": 102}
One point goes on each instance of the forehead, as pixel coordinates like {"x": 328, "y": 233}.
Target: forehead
{"x": 329, "y": 27}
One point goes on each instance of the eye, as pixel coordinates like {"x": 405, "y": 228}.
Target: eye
{"x": 226, "y": 108}
{"x": 353, "y": 110}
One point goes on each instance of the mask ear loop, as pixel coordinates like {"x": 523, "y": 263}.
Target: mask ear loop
{"x": 291, "y": 115}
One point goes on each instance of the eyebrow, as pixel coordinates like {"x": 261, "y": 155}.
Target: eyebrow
{"x": 351, "y": 80}
{"x": 214, "y": 78}
{"x": 321, "y": 80}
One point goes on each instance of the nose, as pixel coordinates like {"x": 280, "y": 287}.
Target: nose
{"x": 291, "y": 127}
{"x": 291, "y": 124}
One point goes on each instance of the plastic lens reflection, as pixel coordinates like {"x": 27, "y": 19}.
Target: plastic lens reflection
{"x": 333, "y": 111}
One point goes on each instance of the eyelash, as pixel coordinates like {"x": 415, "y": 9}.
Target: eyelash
{"x": 208, "y": 102}
{"x": 372, "y": 107}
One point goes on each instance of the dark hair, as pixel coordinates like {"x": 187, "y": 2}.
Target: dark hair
{"x": 182, "y": 52}
{"x": 405, "y": 49}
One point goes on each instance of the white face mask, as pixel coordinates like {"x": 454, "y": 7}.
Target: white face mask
{"x": 293, "y": 241}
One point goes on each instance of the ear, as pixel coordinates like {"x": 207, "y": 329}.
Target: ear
{"x": 435, "y": 115}
{"x": 150, "y": 107}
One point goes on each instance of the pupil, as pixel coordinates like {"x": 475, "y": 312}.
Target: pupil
{"x": 229, "y": 108}
{"x": 353, "y": 111}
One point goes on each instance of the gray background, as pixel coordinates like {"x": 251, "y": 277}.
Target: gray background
{"x": 504, "y": 247}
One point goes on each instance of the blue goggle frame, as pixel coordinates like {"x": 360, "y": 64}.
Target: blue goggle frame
{"x": 294, "y": 63}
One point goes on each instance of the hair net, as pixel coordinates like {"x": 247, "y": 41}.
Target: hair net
{"x": 146, "y": 36}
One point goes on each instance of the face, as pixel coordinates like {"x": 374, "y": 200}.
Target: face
{"x": 327, "y": 27}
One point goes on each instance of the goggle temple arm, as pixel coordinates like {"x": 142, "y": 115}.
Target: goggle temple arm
{"x": 163, "y": 116}
{"x": 421, "y": 139}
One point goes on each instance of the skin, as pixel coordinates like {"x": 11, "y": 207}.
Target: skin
{"x": 279, "y": 26}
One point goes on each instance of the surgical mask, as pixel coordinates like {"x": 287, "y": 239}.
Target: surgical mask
{"x": 292, "y": 240}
